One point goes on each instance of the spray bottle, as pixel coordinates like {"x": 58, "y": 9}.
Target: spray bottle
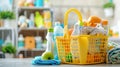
{"x": 49, "y": 53}
{"x": 58, "y": 31}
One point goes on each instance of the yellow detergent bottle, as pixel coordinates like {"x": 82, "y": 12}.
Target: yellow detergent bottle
{"x": 47, "y": 19}
{"x": 38, "y": 20}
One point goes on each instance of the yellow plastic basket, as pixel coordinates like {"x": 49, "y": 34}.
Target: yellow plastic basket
{"x": 83, "y": 49}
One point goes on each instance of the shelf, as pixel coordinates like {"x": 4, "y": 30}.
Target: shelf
{"x": 33, "y": 8}
{"x": 31, "y": 53}
{"x": 23, "y": 49}
{"x": 6, "y": 28}
{"x": 32, "y": 29}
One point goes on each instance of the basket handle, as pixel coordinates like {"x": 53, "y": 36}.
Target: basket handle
{"x": 66, "y": 20}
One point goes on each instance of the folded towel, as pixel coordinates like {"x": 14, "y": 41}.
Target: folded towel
{"x": 114, "y": 55}
{"x": 38, "y": 61}
{"x": 112, "y": 45}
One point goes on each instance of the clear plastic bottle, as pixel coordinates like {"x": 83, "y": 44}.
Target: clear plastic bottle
{"x": 8, "y": 40}
{"x": 58, "y": 31}
{"x": 31, "y": 21}
{"x": 76, "y": 30}
{"x": 38, "y": 40}
{"x": 21, "y": 41}
{"x": 50, "y": 41}
{"x": 32, "y": 17}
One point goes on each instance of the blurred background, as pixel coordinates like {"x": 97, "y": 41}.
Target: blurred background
{"x": 18, "y": 21}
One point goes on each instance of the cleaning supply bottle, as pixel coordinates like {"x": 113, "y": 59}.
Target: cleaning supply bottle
{"x": 76, "y": 30}
{"x": 30, "y": 24}
{"x": 47, "y": 19}
{"x": 58, "y": 31}
{"x": 50, "y": 41}
{"x": 31, "y": 21}
{"x": 8, "y": 40}
{"x": 38, "y": 40}
{"x": 21, "y": 41}
{"x": 48, "y": 54}
{"x": 39, "y": 3}
{"x": 38, "y": 20}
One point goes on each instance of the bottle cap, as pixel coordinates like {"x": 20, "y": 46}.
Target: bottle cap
{"x": 50, "y": 30}
{"x": 104, "y": 22}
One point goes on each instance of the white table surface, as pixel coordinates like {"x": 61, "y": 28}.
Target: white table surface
{"x": 27, "y": 63}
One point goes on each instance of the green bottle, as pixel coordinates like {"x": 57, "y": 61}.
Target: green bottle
{"x": 38, "y": 20}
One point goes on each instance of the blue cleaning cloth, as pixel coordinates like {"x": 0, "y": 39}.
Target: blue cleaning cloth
{"x": 38, "y": 61}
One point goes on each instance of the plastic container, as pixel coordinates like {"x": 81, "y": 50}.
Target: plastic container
{"x": 38, "y": 40}
{"x": 82, "y": 49}
{"x": 1, "y": 42}
{"x": 31, "y": 21}
{"x": 50, "y": 41}
{"x": 31, "y": 24}
{"x": 76, "y": 30}
{"x": 39, "y": 19}
{"x": 47, "y": 19}
{"x": 8, "y": 40}
{"x": 58, "y": 31}
{"x": 39, "y": 3}
{"x": 21, "y": 41}
{"x": 32, "y": 17}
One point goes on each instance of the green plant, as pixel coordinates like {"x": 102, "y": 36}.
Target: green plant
{"x": 108, "y": 5}
{"x": 9, "y": 48}
{"x": 7, "y": 15}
